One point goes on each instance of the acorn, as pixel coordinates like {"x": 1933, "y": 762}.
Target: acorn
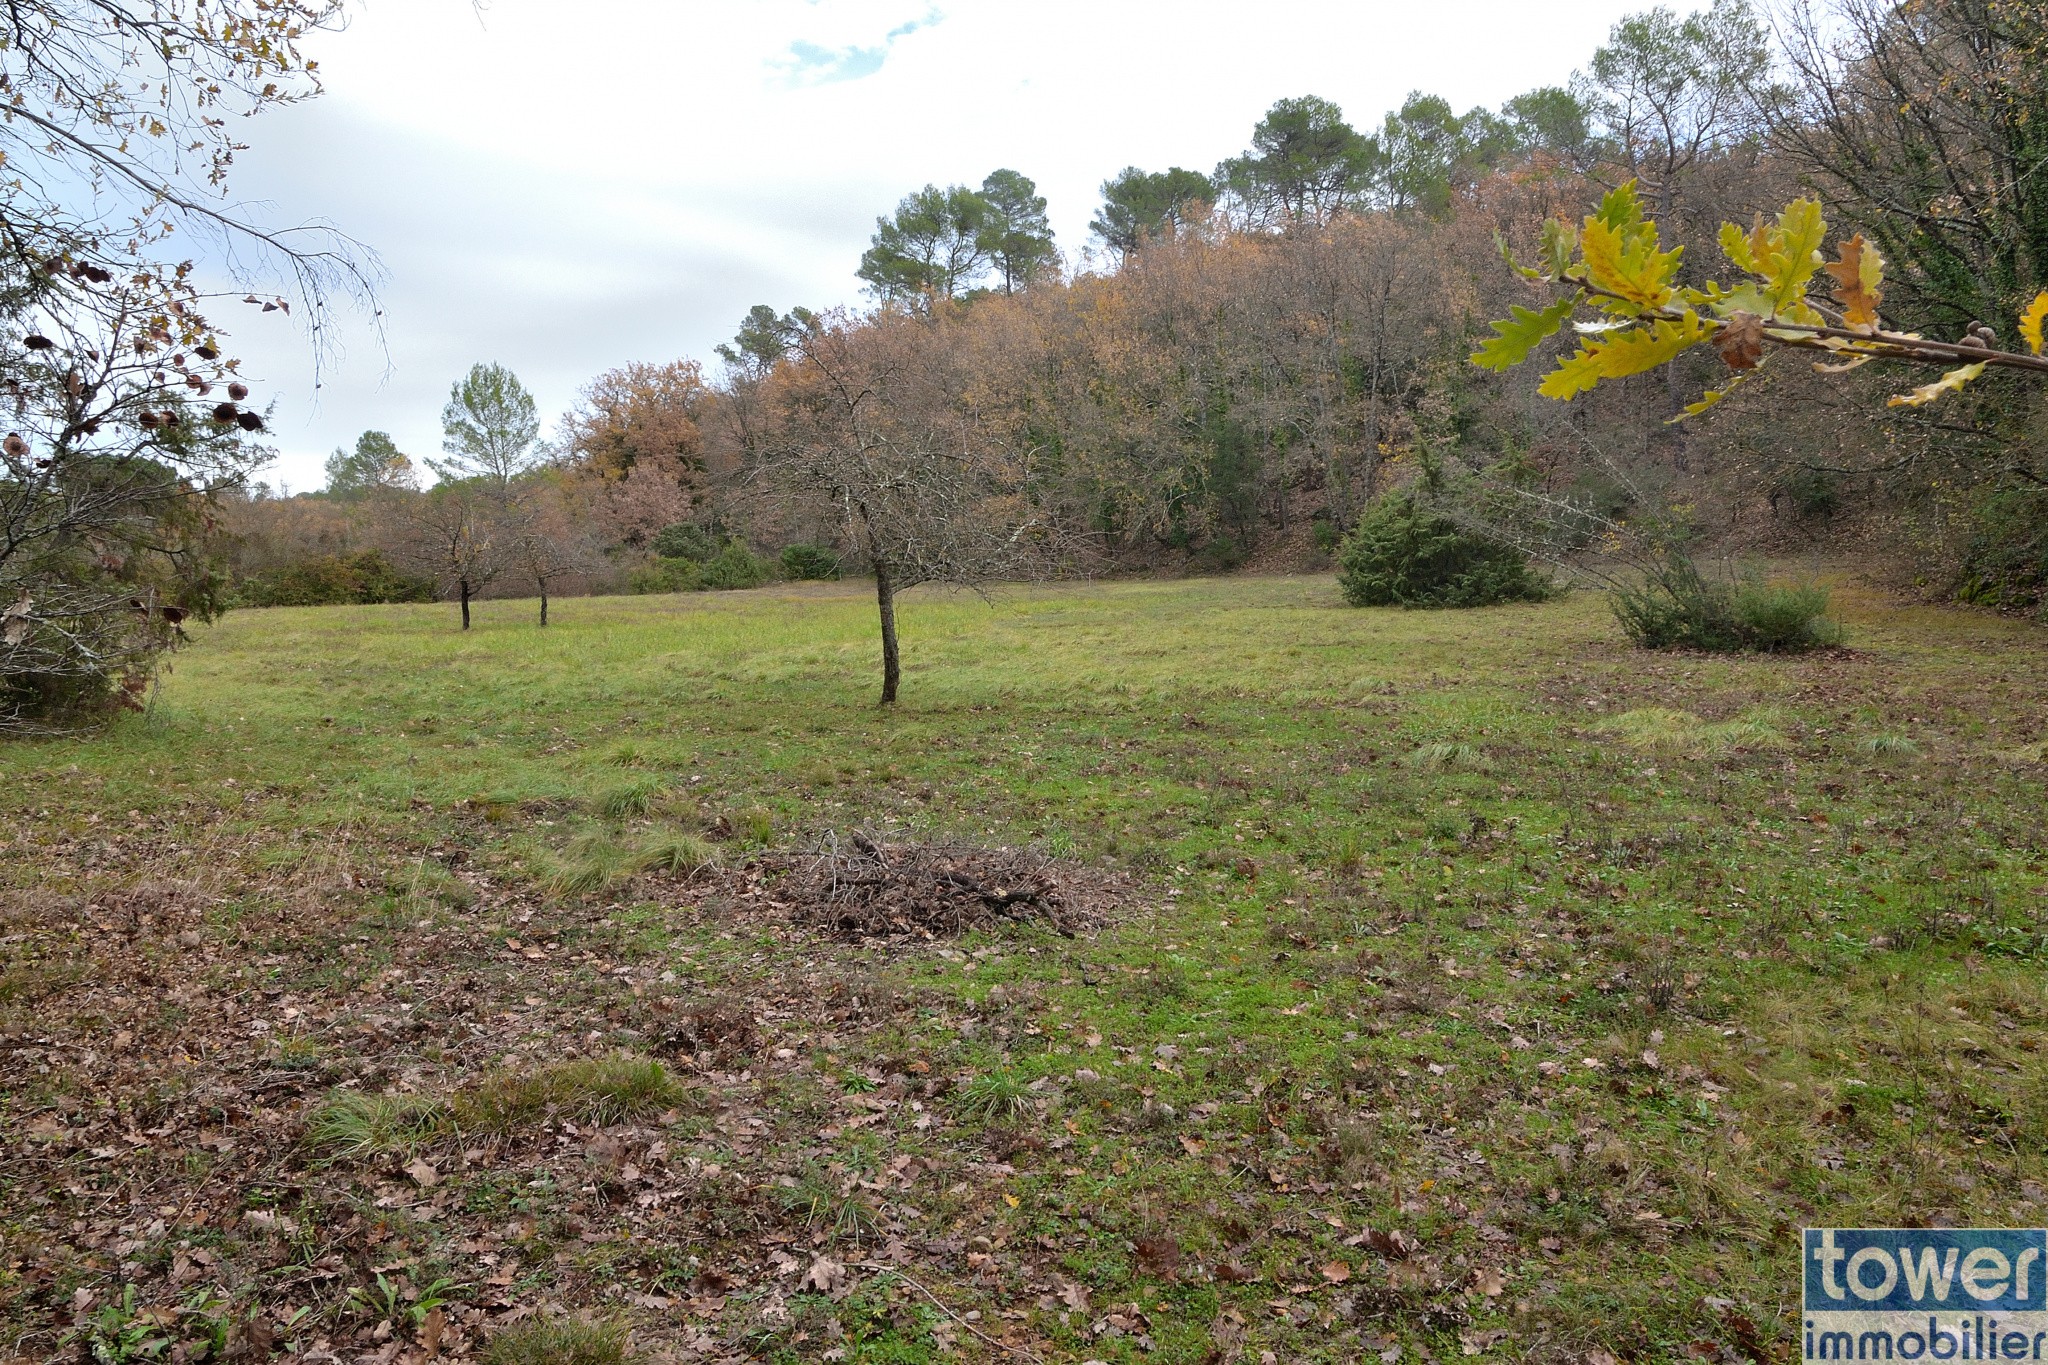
{"x": 238, "y": 391}
{"x": 1972, "y": 341}
{"x": 225, "y": 413}
{"x": 14, "y": 445}
{"x": 249, "y": 421}
{"x": 37, "y": 342}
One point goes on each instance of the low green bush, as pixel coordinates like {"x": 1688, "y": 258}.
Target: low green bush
{"x": 2005, "y": 558}
{"x": 808, "y": 562}
{"x": 360, "y": 579}
{"x": 1809, "y": 495}
{"x": 1785, "y": 618}
{"x": 666, "y": 575}
{"x": 737, "y": 567}
{"x": 1221, "y": 554}
{"x": 1675, "y": 606}
{"x": 686, "y": 541}
{"x": 1401, "y": 554}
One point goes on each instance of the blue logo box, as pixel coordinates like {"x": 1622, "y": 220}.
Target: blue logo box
{"x": 1930, "y": 1295}
{"x": 1926, "y": 1270}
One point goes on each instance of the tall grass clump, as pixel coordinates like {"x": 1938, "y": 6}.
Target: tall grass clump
{"x": 597, "y": 1090}
{"x": 685, "y": 853}
{"x": 1674, "y": 606}
{"x": 559, "y": 1341}
{"x": 588, "y": 1090}
{"x": 1662, "y": 730}
{"x": 354, "y": 1124}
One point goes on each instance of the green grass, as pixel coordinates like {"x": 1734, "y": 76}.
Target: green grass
{"x": 598, "y": 1090}
{"x": 1600, "y": 970}
{"x": 1659, "y": 729}
{"x": 560, "y": 1341}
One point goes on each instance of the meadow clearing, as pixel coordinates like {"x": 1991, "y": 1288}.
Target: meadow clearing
{"x": 1460, "y": 984}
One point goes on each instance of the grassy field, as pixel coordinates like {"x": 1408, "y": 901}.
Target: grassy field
{"x": 1479, "y": 988}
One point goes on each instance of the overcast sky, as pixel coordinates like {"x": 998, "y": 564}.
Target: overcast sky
{"x": 566, "y": 187}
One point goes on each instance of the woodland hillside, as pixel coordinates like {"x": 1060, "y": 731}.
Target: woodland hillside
{"x": 1240, "y": 361}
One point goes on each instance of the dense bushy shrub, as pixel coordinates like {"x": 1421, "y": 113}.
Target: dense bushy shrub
{"x": 2005, "y": 560}
{"x": 1221, "y": 554}
{"x": 667, "y": 575}
{"x": 737, "y": 567}
{"x": 802, "y": 562}
{"x": 360, "y": 579}
{"x": 1677, "y": 607}
{"x": 1807, "y": 494}
{"x": 1401, "y": 554}
{"x": 686, "y": 542}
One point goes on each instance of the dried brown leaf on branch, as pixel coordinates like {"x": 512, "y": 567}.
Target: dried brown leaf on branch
{"x": 1741, "y": 341}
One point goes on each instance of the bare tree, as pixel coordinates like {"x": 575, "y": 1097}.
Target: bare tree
{"x": 551, "y": 541}
{"x": 1923, "y": 122}
{"x": 882, "y": 420}
{"x": 461, "y": 535}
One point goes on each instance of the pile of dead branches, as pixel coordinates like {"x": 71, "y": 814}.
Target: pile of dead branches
{"x": 873, "y": 887}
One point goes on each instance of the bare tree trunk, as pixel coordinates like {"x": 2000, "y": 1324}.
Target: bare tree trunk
{"x": 1286, "y": 461}
{"x": 543, "y": 602}
{"x": 463, "y": 586}
{"x": 892, "y": 663}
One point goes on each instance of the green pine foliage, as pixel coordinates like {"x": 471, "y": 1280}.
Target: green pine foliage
{"x": 686, "y": 541}
{"x": 691, "y": 559}
{"x": 1401, "y": 554}
{"x": 801, "y": 563}
{"x": 737, "y": 567}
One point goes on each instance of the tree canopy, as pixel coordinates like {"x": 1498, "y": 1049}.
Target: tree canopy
{"x": 1305, "y": 164}
{"x": 1139, "y": 206}
{"x": 375, "y": 465}
{"x": 944, "y": 243}
{"x": 488, "y": 428}
{"x": 1017, "y": 235}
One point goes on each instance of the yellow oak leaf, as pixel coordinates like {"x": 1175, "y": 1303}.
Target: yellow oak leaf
{"x": 1629, "y": 266}
{"x": 2032, "y": 321}
{"x": 1616, "y": 355}
{"x": 1948, "y": 383}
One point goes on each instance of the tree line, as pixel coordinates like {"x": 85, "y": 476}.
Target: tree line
{"x": 1255, "y": 357}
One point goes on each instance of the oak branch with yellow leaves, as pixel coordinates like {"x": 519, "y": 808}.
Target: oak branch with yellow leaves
{"x": 1613, "y": 265}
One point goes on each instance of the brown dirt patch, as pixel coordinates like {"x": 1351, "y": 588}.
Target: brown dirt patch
{"x": 872, "y": 886}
